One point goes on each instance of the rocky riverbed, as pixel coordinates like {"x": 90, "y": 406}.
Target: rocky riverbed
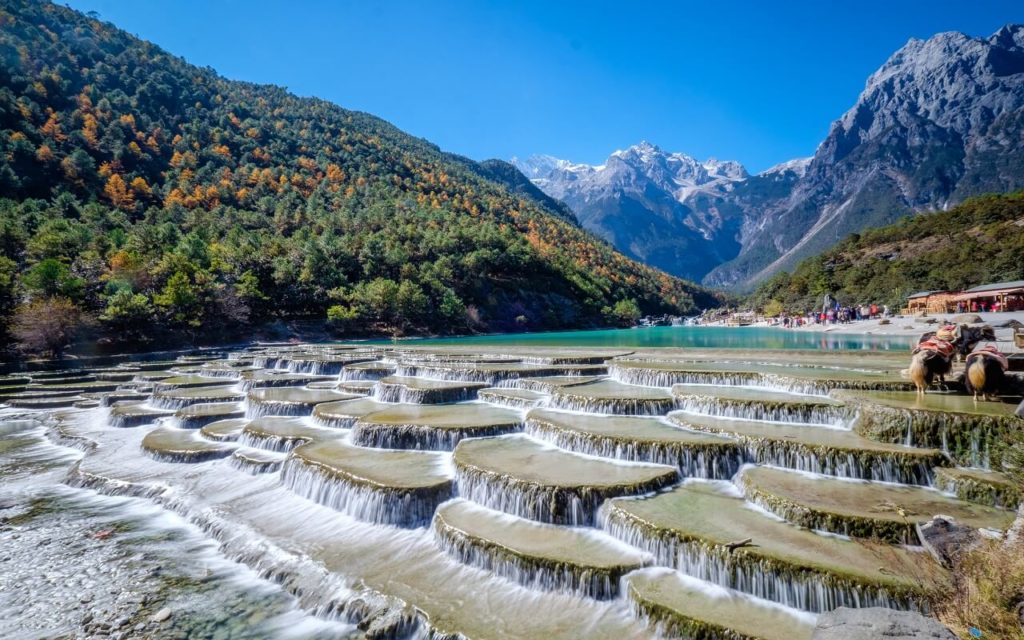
{"x": 74, "y": 564}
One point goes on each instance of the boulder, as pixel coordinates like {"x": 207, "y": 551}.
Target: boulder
{"x": 873, "y": 623}
{"x": 161, "y": 615}
{"x": 967, "y": 318}
{"x": 945, "y": 538}
{"x": 1020, "y": 409}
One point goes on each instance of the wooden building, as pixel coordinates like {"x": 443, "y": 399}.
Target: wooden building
{"x": 931, "y": 302}
{"x": 1000, "y": 296}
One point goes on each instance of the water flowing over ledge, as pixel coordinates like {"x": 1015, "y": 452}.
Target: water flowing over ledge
{"x": 377, "y": 485}
{"x": 777, "y": 580}
{"x": 696, "y": 455}
{"x": 532, "y": 554}
{"x": 376, "y": 476}
{"x": 406, "y": 507}
{"x": 318, "y": 591}
{"x": 556, "y": 487}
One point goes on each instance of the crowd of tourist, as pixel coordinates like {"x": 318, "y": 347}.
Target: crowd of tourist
{"x": 836, "y": 315}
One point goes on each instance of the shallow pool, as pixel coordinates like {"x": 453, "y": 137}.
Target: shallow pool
{"x": 705, "y": 337}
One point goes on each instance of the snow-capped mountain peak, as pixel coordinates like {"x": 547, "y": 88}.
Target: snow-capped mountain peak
{"x": 653, "y": 188}
{"x": 540, "y": 166}
{"x": 797, "y": 166}
{"x": 670, "y": 171}
{"x": 727, "y": 169}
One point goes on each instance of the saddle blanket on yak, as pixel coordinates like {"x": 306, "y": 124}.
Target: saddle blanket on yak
{"x": 942, "y": 347}
{"x": 990, "y": 352}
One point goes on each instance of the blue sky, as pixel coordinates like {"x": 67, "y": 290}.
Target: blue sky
{"x": 758, "y": 82}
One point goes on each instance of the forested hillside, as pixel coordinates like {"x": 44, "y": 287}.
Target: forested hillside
{"x": 163, "y": 202}
{"x": 977, "y": 242}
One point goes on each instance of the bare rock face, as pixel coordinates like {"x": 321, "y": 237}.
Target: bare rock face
{"x": 941, "y": 120}
{"x": 875, "y": 622}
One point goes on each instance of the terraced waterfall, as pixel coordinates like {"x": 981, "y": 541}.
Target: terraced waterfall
{"x": 536, "y": 493}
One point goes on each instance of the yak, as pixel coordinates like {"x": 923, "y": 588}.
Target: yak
{"x": 933, "y": 357}
{"x": 986, "y": 373}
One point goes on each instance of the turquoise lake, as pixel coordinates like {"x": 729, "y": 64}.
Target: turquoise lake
{"x": 700, "y": 337}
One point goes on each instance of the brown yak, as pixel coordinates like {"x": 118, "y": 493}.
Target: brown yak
{"x": 986, "y": 373}
{"x": 933, "y": 358}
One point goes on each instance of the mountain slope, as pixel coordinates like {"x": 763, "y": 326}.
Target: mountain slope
{"x": 941, "y": 120}
{"x": 639, "y": 200}
{"x": 506, "y": 174}
{"x": 977, "y": 242}
{"x": 198, "y": 204}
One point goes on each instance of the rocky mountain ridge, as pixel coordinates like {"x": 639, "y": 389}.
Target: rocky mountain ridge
{"x": 638, "y": 200}
{"x": 941, "y": 120}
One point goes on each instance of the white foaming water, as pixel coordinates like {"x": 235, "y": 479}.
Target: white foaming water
{"x": 828, "y": 417}
{"x": 534, "y": 572}
{"x": 419, "y": 437}
{"x": 808, "y": 591}
{"x": 654, "y": 377}
{"x": 510, "y": 401}
{"x": 251, "y": 516}
{"x": 381, "y": 505}
{"x": 716, "y": 591}
{"x": 528, "y": 498}
{"x": 33, "y": 472}
{"x": 692, "y": 461}
{"x": 882, "y": 466}
{"x": 255, "y": 464}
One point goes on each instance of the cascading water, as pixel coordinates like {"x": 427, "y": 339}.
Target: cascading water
{"x": 271, "y": 442}
{"x": 568, "y": 505}
{"x": 400, "y": 392}
{"x": 381, "y": 505}
{"x": 264, "y": 409}
{"x": 512, "y": 398}
{"x": 493, "y": 376}
{"x": 544, "y": 504}
{"x": 366, "y": 373}
{"x": 268, "y": 485}
{"x": 613, "y": 406}
{"x": 255, "y": 462}
{"x": 864, "y": 465}
{"x": 421, "y": 437}
{"x": 796, "y": 413}
{"x": 797, "y": 588}
{"x": 719, "y": 461}
{"x": 600, "y": 584}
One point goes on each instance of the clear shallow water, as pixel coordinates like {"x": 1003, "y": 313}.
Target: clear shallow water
{"x": 703, "y": 337}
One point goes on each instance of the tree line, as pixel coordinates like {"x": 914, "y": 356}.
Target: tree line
{"x": 977, "y": 242}
{"x": 150, "y": 201}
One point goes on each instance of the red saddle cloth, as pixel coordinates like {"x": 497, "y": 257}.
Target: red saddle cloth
{"x": 942, "y": 347}
{"x": 990, "y": 352}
